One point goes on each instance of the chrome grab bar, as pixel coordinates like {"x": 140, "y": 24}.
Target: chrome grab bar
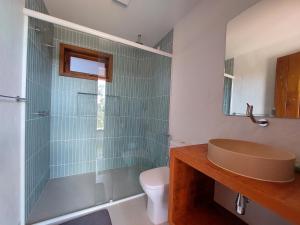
{"x": 17, "y": 98}
{"x": 86, "y": 93}
{"x": 49, "y": 46}
{"x": 41, "y": 113}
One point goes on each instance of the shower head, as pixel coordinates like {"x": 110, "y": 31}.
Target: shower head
{"x": 139, "y": 39}
{"x": 123, "y": 2}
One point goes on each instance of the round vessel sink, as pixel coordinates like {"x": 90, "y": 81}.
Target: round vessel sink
{"x": 252, "y": 160}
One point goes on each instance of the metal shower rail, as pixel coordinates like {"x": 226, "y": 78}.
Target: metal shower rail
{"x": 74, "y": 26}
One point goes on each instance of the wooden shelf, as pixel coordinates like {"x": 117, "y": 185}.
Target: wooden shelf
{"x": 191, "y": 199}
{"x": 192, "y": 179}
{"x": 210, "y": 214}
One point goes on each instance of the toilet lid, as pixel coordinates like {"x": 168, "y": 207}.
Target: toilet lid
{"x": 155, "y": 178}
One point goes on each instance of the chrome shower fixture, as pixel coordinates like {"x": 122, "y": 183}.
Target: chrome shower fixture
{"x": 123, "y": 2}
{"x": 35, "y": 28}
{"x": 139, "y": 39}
{"x": 49, "y": 46}
{"x": 240, "y": 204}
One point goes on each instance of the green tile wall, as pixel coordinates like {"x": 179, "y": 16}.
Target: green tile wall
{"x": 229, "y": 67}
{"x": 37, "y": 5}
{"x": 38, "y": 89}
{"x": 137, "y": 110}
{"x": 38, "y": 93}
{"x": 67, "y": 142}
{"x": 166, "y": 43}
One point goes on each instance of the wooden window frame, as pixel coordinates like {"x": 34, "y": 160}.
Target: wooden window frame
{"x": 68, "y": 51}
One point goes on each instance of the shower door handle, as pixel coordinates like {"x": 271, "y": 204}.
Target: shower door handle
{"x": 16, "y": 98}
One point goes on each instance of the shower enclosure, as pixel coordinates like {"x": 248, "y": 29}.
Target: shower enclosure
{"x": 87, "y": 141}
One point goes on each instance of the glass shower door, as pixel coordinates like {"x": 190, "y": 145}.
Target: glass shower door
{"x": 135, "y": 136}
{"x": 87, "y": 141}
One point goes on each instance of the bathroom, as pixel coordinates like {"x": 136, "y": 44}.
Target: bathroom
{"x": 76, "y": 144}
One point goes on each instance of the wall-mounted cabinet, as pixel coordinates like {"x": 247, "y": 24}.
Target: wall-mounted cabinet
{"x": 287, "y": 88}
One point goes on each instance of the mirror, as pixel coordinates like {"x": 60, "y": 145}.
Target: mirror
{"x": 262, "y": 61}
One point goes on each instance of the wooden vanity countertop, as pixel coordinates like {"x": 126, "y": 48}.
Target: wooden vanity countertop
{"x": 282, "y": 198}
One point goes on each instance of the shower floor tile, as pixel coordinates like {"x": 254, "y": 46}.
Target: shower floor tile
{"x": 69, "y": 194}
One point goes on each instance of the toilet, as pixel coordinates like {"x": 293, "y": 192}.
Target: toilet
{"x": 155, "y": 183}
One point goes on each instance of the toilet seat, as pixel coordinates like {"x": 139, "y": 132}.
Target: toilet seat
{"x": 155, "y": 178}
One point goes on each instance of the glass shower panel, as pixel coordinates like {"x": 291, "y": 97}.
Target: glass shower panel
{"x": 136, "y": 119}
{"x": 38, "y": 107}
{"x": 87, "y": 141}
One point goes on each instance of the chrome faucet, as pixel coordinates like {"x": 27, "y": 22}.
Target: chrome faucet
{"x": 260, "y": 122}
{"x": 240, "y": 204}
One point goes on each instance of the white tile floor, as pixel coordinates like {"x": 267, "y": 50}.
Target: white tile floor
{"x": 132, "y": 212}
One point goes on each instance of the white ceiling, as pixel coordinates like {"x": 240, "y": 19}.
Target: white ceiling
{"x": 151, "y": 18}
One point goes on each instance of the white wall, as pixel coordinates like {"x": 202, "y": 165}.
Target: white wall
{"x": 254, "y": 83}
{"x": 11, "y": 38}
{"x": 197, "y": 83}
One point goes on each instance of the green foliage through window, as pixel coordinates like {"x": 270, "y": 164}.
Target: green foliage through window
{"x": 101, "y": 105}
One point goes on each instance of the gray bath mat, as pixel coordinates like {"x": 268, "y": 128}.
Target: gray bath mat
{"x": 98, "y": 218}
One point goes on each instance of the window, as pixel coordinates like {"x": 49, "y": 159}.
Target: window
{"x": 88, "y": 64}
{"x": 100, "y": 104}
{"x": 85, "y": 63}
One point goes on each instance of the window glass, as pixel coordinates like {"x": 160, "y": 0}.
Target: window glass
{"x": 87, "y": 66}
{"x": 101, "y": 105}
